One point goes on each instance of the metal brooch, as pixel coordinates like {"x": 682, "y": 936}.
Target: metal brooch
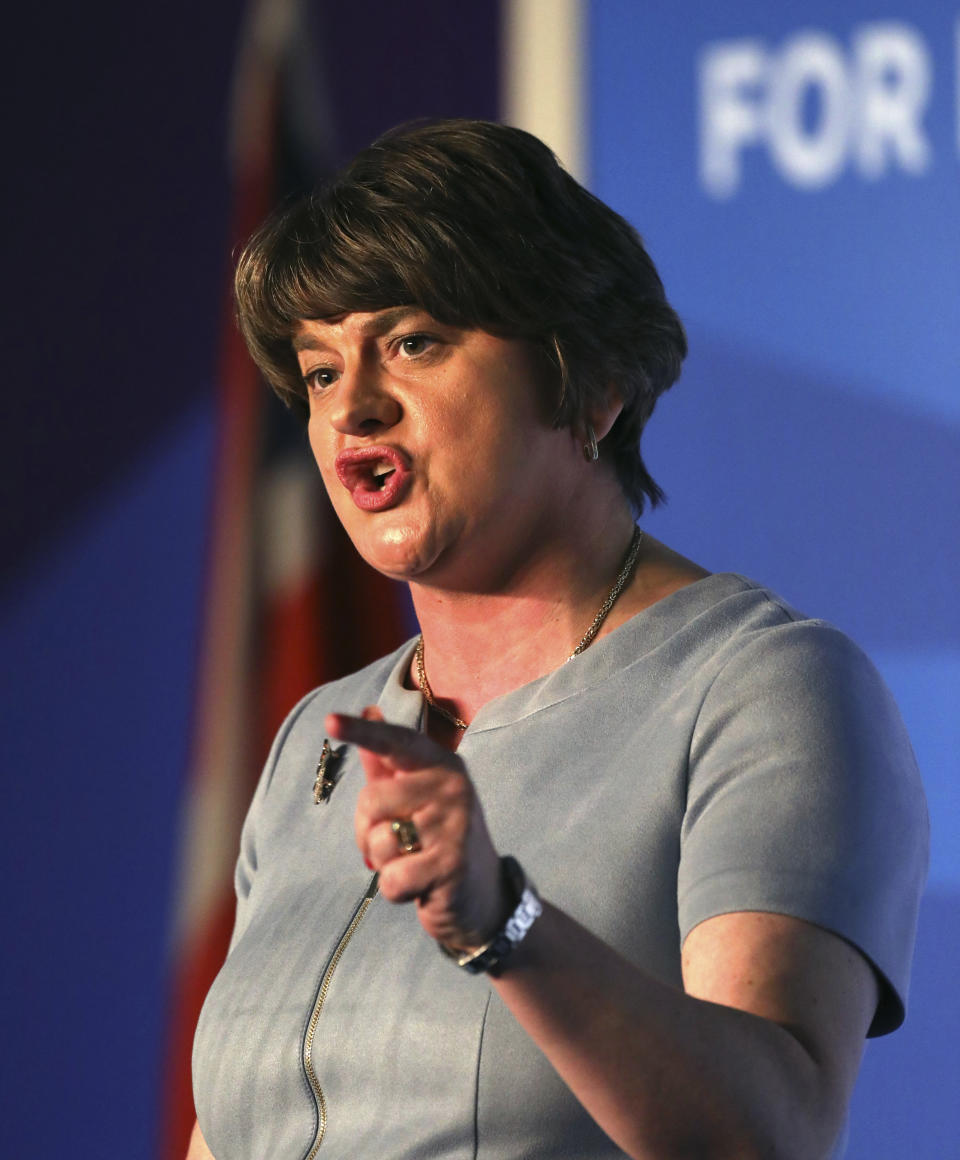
{"x": 327, "y": 775}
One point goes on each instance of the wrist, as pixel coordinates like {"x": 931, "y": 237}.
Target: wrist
{"x": 522, "y": 910}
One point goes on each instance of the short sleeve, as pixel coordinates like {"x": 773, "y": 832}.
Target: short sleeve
{"x": 804, "y": 799}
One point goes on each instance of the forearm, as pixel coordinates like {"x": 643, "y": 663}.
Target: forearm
{"x": 664, "y": 1074}
{"x": 762, "y": 1069}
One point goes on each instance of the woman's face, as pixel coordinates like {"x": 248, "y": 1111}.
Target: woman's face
{"x": 435, "y": 444}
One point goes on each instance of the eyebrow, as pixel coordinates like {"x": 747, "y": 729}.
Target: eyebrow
{"x": 381, "y": 323}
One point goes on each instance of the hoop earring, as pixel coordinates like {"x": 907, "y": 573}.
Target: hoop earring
{"x": 591, "y": 452}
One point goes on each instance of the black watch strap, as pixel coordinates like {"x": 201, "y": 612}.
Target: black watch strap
{"x": 527, "y": 910}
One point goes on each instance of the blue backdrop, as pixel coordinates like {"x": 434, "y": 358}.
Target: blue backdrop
{"x": 794, "y": 169}
{"x": 795, "y": 172}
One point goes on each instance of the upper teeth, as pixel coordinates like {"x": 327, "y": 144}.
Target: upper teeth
{"x": 382, "y": 468}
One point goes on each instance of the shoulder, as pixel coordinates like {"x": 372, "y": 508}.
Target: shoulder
{"x": 728, "y": 634}
{"x": 730, "y": 620}
{"x": 794, "y": 696}
{"x": 803, "y": 795}
{"x": 778, "y": 660}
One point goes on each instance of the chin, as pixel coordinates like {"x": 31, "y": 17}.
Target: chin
{"x": 400, "y": 554}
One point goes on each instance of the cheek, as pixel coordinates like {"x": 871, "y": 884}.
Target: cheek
{"x": 506, "y": 429}
{"x": 321, "y": 455}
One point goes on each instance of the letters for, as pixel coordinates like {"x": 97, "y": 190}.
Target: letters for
{"x": 815, "y": 107}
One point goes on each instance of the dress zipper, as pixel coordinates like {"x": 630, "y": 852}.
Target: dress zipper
{"x": 318, "y": 1007}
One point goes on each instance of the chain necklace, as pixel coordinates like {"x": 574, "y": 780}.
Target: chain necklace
{"x": 618, "y": 585}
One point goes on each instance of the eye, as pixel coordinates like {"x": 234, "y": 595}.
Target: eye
{"x": 413, "y": 345}
{"x": 320, "y": 378}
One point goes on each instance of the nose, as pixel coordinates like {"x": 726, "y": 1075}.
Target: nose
{"x": 364, "y": 403}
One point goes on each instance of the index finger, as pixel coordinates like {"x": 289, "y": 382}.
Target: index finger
{"x": 373, "y": 765}
{"x": 396, "y": 745}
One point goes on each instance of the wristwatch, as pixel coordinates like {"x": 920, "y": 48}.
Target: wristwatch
{"x": 527, "y": 910}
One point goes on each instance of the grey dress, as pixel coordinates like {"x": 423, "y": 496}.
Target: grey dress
{"x": 718, "y": 752}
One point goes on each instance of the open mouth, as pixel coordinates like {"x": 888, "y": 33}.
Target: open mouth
{"x": 381, "y": 473}
{"x": 376, "y": 477}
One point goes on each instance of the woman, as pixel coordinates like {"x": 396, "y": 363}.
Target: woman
{"x": 713, "y": 793}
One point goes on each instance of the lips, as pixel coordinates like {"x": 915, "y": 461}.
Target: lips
{"x": 376, "y": 477}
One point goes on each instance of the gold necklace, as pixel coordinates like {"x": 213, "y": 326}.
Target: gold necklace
{"x": 428, "y": 692}
{"x": 618, "y": 585}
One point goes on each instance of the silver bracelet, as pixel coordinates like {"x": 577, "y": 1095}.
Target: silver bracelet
{"x": 528, "y": 909}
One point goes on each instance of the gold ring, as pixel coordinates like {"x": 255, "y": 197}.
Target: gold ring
{"x": 407, "y": 835}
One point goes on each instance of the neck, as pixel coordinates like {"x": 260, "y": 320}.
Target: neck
{"x": 481, "y": 644}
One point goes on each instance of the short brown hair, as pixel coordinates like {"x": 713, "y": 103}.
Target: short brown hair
{"x": 479, "y": 225}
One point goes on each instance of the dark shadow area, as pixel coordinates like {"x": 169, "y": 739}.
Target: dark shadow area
{"x": 116, "y": 268}
{"x": 385, "y": 66}
{"x": 116, "y": 175}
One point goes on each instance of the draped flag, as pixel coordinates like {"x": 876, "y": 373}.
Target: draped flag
{"x": 288, "y": 603}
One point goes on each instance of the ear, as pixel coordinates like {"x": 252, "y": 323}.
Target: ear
{"x": 603, "y": 416}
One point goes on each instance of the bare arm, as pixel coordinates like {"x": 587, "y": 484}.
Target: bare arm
{"x": 755, "y": 1057}
{"x": 198, "y": 1149}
